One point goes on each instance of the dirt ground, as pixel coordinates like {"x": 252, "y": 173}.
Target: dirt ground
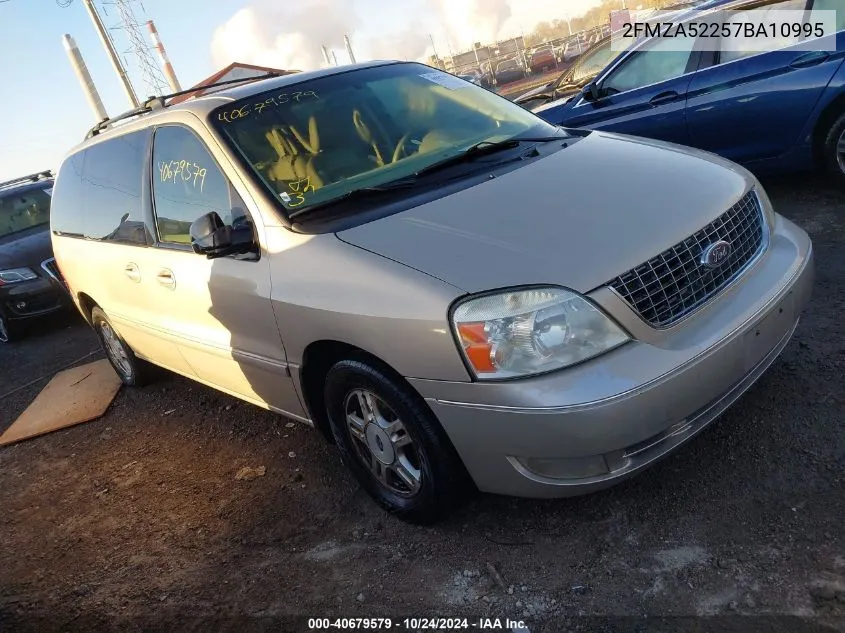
{"x": 136, "y": 521}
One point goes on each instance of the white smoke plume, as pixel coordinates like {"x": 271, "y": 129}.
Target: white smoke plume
{"x": 289, "y": 35}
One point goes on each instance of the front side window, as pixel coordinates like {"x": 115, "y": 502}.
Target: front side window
{"x": 187, "y": 184}
{"x": 315, "y": 141}
{"x": 832, "y": 5}
{"x": 661, "y": 60}
{"x": 24, "y": 210}
{"x": 594, "y": 62}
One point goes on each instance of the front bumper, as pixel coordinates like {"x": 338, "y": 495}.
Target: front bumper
{"x": 32, "y": 298}
{"x": 585, "y": 428}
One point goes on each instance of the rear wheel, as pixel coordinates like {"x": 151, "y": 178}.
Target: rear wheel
{"x": 392, "y": 443}
{"x": 133, "y": 371}
{"x": 834, "y": 149}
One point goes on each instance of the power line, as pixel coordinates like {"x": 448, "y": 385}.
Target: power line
{"x": 139, "y": 51}
{"x": 151, "y": 72}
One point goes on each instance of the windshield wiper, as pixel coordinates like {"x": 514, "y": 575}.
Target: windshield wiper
{"x": 484, "y": 148}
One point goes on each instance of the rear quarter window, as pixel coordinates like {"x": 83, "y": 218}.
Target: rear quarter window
{"x": 66, "y": 215}
{"x": 98, "y": 194}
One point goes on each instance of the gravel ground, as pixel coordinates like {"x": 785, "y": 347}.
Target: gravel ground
{"x": 137, "y": 521}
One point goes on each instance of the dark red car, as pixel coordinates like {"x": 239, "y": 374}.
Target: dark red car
{"x": 542, "y": 60}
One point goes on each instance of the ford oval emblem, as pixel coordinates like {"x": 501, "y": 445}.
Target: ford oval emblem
{"x": 716, "y": 254}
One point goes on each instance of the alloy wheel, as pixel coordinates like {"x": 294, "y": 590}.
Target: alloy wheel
{"x": 382, "y": 442}
{"x": 115, "y": 349}
{"x": 840, "y": 151}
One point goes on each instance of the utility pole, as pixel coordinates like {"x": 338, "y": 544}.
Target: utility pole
{"x": 112, "y": 53}
{"x": 84, "y": 77}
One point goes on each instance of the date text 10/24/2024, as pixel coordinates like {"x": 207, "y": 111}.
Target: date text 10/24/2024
{"x": 417, "y": 624}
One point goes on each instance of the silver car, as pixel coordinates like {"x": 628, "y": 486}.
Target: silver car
{"x": 383, "y": 252}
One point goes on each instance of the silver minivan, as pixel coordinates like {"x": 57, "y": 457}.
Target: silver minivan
{"x": 456, "y": 293}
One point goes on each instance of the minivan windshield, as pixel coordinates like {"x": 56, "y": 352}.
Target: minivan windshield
{"x": 24, "y": 210}
{"x": 317, "y": 141}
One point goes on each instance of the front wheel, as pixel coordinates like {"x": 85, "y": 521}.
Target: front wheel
{"x": 133, "y": 371}
{"x": 392, "y": 443}
{"x": 834, "y": 149}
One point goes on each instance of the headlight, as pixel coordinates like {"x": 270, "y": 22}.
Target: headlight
{"x": 14, "y": 275}
{"x": 525, "y": 332}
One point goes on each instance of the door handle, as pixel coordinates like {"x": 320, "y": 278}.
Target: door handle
{"x": 165, "y": 278}
{"x": 813, "y": 58}
{"x": 664, "y": 97}
{"x": 131, "y": 270}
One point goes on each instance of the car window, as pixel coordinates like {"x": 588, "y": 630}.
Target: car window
{"x": 832, "y": 5}
{"x": 318, "y": 140}
{"x": 24, "y": 210}
{"x": 733, "y": 49}
{"x": 112, "y": 182}
{"x": 97, "y": 194}
{"x": 592, "y": 63}
{"x": 659, "y": 61}
{"x": 187, "y": 184}
{"x": 66, "y": 214}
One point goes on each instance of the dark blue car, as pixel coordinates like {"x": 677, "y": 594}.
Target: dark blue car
{"x": 783, "y": 108}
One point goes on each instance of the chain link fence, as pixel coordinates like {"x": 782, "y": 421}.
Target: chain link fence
{"x": 506, "y": 65}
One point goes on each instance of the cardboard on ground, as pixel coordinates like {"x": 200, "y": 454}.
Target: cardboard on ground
{"x": 73, "y": 396}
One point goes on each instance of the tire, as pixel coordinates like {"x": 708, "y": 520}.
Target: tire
{"x": 421, "y": 478}
{"x": 9, "y": 330}
{"x": 834, "y": 150}
{"x": 133, "y": 371}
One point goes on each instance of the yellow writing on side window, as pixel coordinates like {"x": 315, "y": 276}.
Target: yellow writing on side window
{"x": 182, "y": 171}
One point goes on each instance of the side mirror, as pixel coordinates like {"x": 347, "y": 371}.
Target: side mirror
{"x": 212, "y": 238}
{"x": 591, "y": 93}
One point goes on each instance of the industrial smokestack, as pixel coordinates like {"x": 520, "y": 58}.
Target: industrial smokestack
{"x": 349, "y": 48}
{"x": 165, "y": 60}
{"x": 326, "y": 55}
{"x": 84, "y": 77}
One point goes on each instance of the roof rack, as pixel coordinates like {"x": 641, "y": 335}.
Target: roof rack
{"x": 24, "y": 179}
{"x": 156, "y": 103}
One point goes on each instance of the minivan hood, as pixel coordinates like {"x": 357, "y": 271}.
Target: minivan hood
{"x": 577, "y": 218}
{"x": 26, "y": 248}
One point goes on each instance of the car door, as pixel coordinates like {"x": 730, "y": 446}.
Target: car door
{"x": 218, "y": 311}
{"x": 643, "y": 93}
{"x": 751, "y": 105}
{"x": 109, "y": 181}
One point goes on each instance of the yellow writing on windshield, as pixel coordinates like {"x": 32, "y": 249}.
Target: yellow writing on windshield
{"x": 182, "y": 171}
{"x": 298, "y": 189}
{"x": 280, "y": 99}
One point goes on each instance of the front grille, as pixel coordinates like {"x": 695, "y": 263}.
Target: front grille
{"x": 670, "y": 286}
{"x": 52, "y": 268}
